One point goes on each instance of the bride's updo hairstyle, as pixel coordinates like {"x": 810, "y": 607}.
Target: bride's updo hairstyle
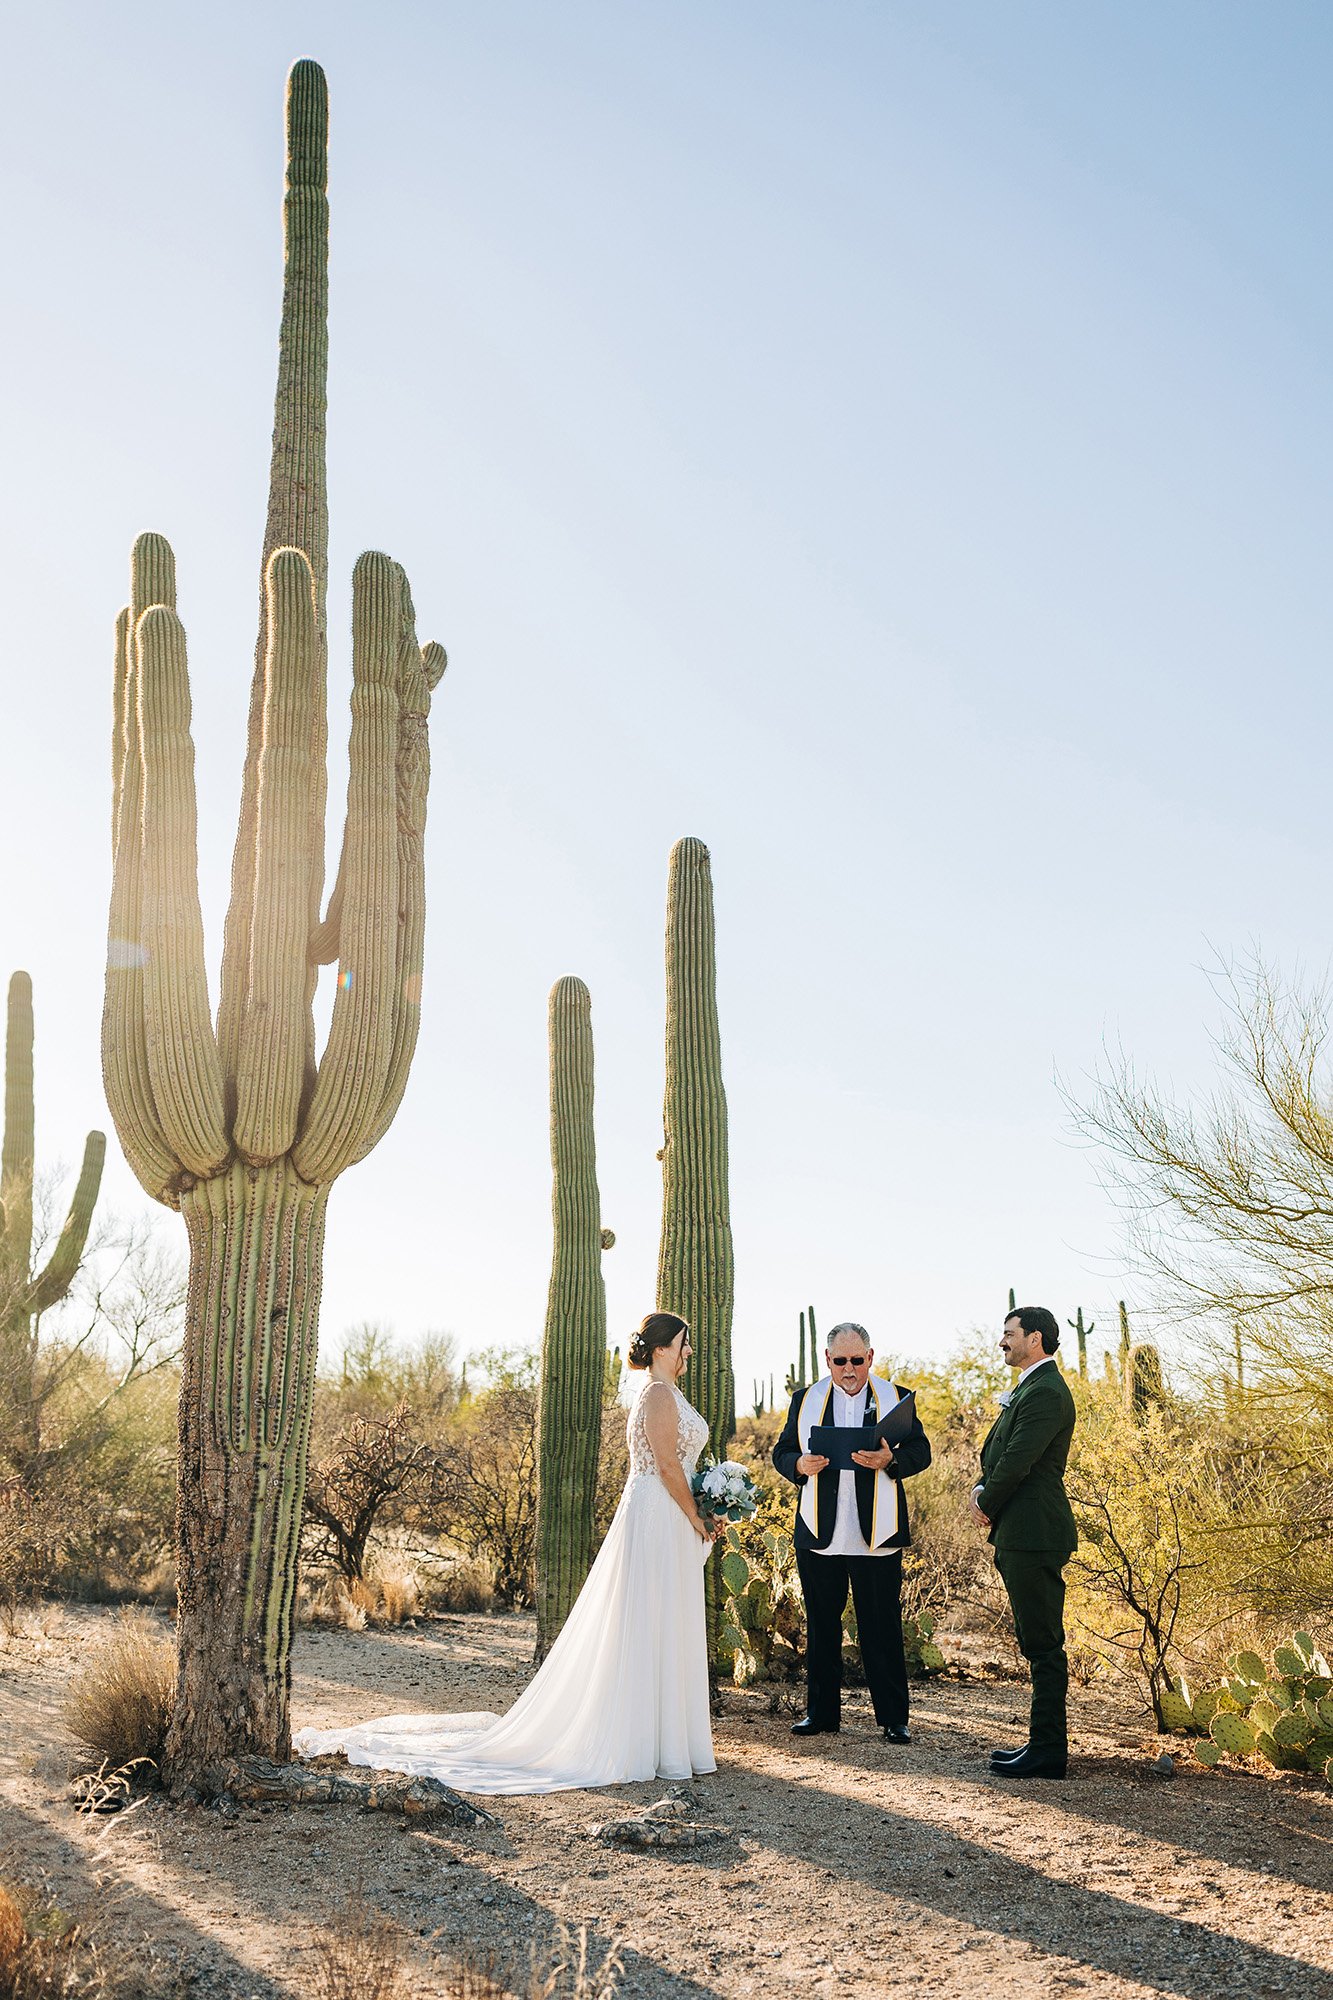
{"x": 657, "y": 1330}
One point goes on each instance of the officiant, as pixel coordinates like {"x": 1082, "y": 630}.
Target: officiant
{"x": 851, "y": 1529}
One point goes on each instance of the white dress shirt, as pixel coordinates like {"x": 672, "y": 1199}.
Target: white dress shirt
{"x": 1007, "y": 1395}
{"x": 847, "y": 1539}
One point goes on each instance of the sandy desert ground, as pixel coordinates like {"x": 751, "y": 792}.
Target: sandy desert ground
{"x": 851, "y": 1868}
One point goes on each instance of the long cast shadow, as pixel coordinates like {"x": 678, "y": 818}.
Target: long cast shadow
{"x": 1017, "y": 1901}
{"x": 77, "y": 1877}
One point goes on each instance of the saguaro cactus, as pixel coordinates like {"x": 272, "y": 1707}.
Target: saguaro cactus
{"x": 695, "y": 1267}
{"x": 1141, "y": 1380}
{"x": 242, "y": 1130}
{"x": 574, "y": 1357}
{"x": 25, "y": 1294}
{"x": 1081, "y": 1332}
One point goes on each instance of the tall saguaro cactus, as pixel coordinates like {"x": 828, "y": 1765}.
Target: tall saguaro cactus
{"x": 25, "y": 1293}
{"x": 574, "y": 1358}
{"x": 242, "y": 1129}
{"x": 695, "y": 1266}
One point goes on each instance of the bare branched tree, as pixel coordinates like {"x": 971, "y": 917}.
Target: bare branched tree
{"x": 1230, "y": 1202}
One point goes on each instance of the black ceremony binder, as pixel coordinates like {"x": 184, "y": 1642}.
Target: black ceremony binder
{"x": 837, "y": 1442}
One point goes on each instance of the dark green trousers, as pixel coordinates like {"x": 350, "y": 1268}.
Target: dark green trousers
{"x": 1035, "y": 1581}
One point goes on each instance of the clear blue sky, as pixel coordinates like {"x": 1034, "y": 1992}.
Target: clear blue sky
{"x": 890, "y": 442}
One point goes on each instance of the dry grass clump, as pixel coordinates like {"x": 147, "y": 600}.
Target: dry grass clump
{"x": 119, "y": 1704}
{"x": 464, "y": 1586}
{"x": 398, "y": 1592}
{"x": 45, "y": 1955}
{"x": 359, "y": 1956}
{"x": 390, "y": 1596}
{"x": 564, "y": 1972}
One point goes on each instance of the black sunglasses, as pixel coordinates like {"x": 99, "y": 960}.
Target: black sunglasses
{"x": 849, "y": 1361}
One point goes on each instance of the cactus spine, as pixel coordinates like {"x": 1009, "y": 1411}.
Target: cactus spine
{"x": 695, "y": 1270}
{"x": 574, "y": 1356}
{"x": 243, "y": 1130}
{"x": 25, "y": 1294}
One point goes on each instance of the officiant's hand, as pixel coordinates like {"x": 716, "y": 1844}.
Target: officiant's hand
{"x": 874, "y": 1461}
{"x": 810, "y": 1464}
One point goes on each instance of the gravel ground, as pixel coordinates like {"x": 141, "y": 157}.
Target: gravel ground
{"x": 851, "y": 1867}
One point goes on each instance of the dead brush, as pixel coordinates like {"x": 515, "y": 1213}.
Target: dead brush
{"x": 119, "y": 1704}
{"x": 564, "y": 1972}
{"x": 43, "y": 1956}
{"x": 359, "y": 1956}
{"x": 398, "y": 1592}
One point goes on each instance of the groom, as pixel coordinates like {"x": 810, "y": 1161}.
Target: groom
{"x": 851, "y": 1528}
{"x": 1020, "y": 1501}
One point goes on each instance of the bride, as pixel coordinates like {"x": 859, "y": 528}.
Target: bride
{"x": 623, "y": 1693}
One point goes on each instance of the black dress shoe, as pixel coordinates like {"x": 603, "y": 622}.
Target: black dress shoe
{"x": 897, "y": 1732}
{"x": 807, "y": 1726}
{"x": 1032, "y": 1764}
{"x": 1007, "y": 1756}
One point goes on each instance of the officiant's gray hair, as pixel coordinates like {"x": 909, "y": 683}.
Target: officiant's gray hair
{"x": 850, "y": 1326}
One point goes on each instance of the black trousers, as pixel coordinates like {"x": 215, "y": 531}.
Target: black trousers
{"x": 1035, "y": 1582}
{"x": 876, "y": 1584}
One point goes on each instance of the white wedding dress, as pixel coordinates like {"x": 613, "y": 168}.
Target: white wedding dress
{"x": 622, "y": 1695}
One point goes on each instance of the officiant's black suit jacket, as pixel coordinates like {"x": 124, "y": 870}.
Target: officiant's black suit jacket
{"x": 912, "y": 1455}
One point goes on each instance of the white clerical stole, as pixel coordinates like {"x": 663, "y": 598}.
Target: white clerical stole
{"x": 847, "y": 1539}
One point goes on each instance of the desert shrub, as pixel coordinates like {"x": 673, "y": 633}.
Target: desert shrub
{"x": 359, "y": 1955}
{"x": 370, "y": 1473}
{"x": 46, "y": 1955}
{"x": 488, "y": 1474}
{"x": 459, "y": 1586}
{"x": 119, "y": 1704}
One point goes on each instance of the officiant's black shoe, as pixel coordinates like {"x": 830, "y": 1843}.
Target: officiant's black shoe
{"x": 1032, "y": 1764}
{"x": 897, "y": 1732}
{"x": 1008, "y": 1756}
{"x": 807, "y": 1726}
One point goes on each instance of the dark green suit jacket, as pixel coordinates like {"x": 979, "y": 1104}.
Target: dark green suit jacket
{"x": 1023, "y": 1464}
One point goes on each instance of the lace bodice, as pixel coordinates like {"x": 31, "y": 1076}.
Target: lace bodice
{"x": 691, "y": 1435}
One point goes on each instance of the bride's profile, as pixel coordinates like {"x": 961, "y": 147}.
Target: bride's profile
{"x": 623, "y": 1693}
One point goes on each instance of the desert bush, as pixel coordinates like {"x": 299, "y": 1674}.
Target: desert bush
{"x": 488, "y": 1474}
{"x": 46, "y": 1955}
{"x": 359, "y": 1955}
{"x": 119, "y": 1703}
{"x": 459, "y": 1586}
{"x": 371, "y": 1473}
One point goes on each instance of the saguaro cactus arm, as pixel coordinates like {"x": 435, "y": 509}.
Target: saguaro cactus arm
{"x": 18, "y": 1148}
{"x": 55, "y": 1279}
{"x": 354, "y": 1069}
{"x": 183, "y": 1066}
{"x": 24, "y": 1293}
{"x": 125, "y": 1068}
{"x": 298, "y": 516}
{"x": 272, "y": 1043}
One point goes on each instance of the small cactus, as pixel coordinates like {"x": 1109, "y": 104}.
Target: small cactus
{"x": 1207, "y": 1752}
{"x": 1175, "y": 1711}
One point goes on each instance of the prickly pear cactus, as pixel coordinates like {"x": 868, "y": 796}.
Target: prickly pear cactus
{"x": 1176, "y": 1712}
{"x": 1232, "y": 1733}
{"x": 1283, "y": 1714}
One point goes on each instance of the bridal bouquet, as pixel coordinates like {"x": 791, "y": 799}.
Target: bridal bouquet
{"x": 725, "y": 1491}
